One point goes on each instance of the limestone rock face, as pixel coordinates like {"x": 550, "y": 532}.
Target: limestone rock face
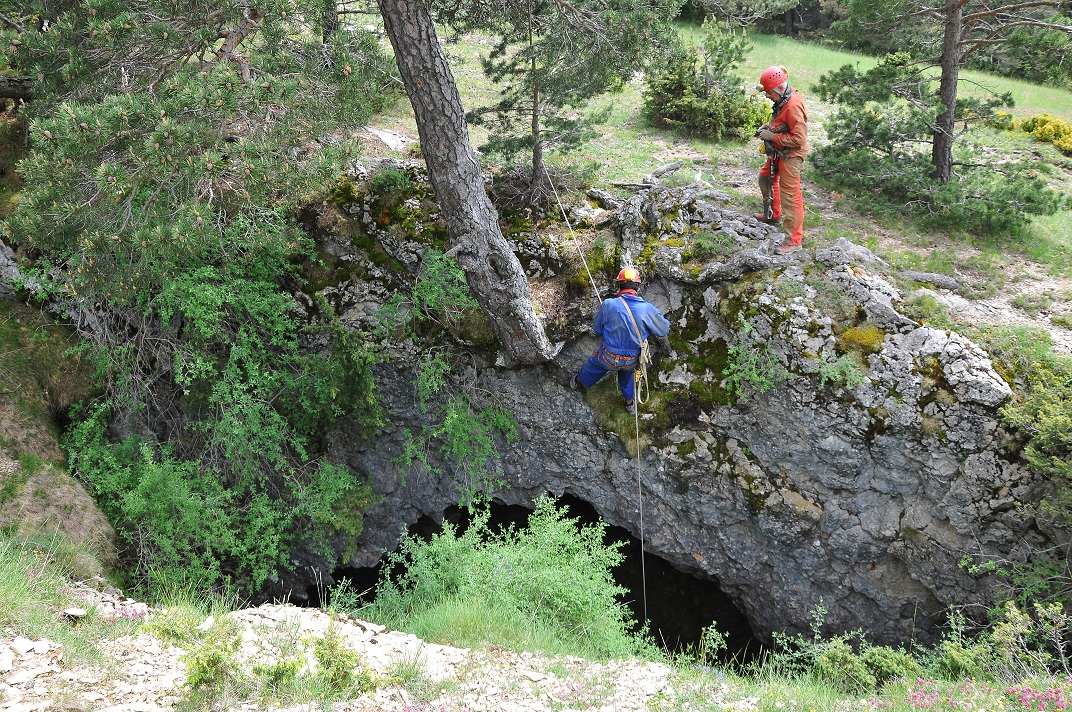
{"x": 858, "y": 481}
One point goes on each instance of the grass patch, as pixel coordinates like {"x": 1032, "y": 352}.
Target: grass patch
{"x": 35, "y": 576}
{"x": 1048, "y": 241}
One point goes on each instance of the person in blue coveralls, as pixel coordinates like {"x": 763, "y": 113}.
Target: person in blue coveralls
{"x": 623, "y": 323}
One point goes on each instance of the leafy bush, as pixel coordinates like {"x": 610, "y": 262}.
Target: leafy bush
{"x": 838, "y": 664}
{"x": 885, "y": 663}
{"x": 180, "y": 520}
{"x": 390, "y": 181}
{"x": 156, "y": 208}
{"x": 845, "y": 371}
{"x": 340, "y": 669}
{"x": 212, "y": 665}
{"x": 697, "y": 94}
{"x": 554, "y": 574}
{"x": 751, "y": 367}
{"x": 957, "y": 656}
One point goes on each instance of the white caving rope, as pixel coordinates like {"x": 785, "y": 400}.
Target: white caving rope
{"x": 636, "y": 398}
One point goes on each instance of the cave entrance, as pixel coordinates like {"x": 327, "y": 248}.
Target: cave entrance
{"x": 680, "y": 605}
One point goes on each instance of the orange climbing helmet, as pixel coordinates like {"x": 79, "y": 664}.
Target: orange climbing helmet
{"x": 771, "y": 78}
{"x": 629, "y": 274}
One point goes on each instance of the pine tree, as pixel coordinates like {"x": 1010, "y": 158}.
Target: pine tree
{"x": 550, "y": 59}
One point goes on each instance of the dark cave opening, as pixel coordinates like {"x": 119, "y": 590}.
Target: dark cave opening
{"x": 679, "y": 605}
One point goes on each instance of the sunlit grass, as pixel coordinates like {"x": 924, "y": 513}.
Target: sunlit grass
{"x": 806, "y": 62}
{"x": 34, "y": 588}
{"x": 470, "y": 622}
{"x": 1048, "y": 241}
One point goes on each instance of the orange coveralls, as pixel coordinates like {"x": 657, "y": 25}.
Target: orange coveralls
{"x": 787, "y": 199}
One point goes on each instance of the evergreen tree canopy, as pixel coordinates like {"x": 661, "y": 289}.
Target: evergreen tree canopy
{"x": 551, "y": 58}
{"x": 879, "y": 144}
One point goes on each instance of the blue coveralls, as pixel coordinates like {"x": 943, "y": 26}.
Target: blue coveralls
{"x": 620, "y": 348}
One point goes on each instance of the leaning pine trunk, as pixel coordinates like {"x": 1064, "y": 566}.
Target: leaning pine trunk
{"x": 491, "y": 268}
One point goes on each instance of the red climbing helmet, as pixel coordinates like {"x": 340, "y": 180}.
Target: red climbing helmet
{"x": 771, "y": 78}
{"x": 629, "y": 274}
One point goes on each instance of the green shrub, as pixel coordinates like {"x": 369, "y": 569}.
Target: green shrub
{"x": 886, "y": 663}
{"x": 190, "y": 257}
{"x": 339, "y": 668}
{"x": 845, "y": 371}
{"x": 839, "y": 666}
{"x": 957, "y": 656}
{"x": 553, "y": 574}
{"x": 390, "y": 181}
{"x": 706, "y": 102}
{"x": 181, "y": 521}
{"x": 752, "y": 368}
{"x": 954, "y": 660}
{"x": 212, "y": 664}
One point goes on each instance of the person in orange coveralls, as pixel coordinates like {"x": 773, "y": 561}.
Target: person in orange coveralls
{"x": 786, "y": 137}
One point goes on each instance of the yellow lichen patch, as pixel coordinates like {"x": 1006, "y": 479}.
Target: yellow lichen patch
{"x": 865, "y": 338}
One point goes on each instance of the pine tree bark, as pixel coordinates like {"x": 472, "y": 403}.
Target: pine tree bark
{"x": 492, "y": 270}
{"x": 942, "y": 145}
{"x": 16, "y": 88}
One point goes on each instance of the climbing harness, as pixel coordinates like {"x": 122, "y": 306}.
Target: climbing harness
{"x": 642, "y": 367}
